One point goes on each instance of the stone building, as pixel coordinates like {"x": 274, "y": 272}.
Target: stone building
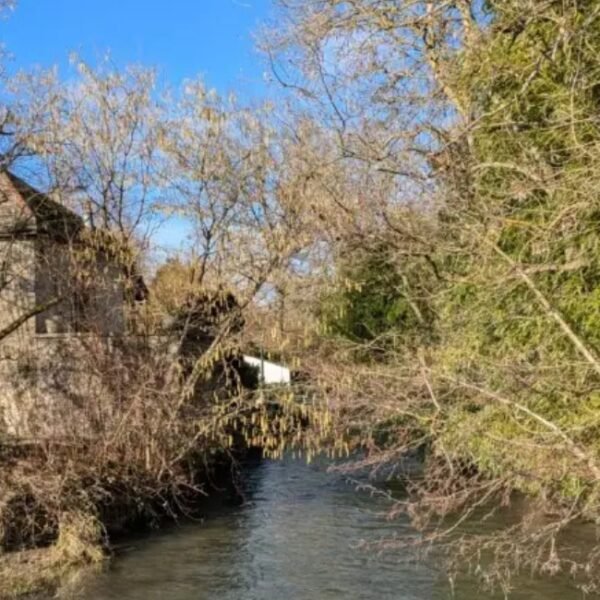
{"x": 62, "y": 298}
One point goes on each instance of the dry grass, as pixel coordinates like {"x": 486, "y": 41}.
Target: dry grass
{"x": 33, "y": 572}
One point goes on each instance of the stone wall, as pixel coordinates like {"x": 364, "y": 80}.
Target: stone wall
{"x": 46, "y": 365}
{"x": 68, "y": 385}
{"x": 17, "y": 282}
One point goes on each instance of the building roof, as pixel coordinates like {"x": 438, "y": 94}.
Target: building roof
{"x": 25, "y": 212}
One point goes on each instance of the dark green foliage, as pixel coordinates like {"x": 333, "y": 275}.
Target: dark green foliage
{"x": 379, "y": 300}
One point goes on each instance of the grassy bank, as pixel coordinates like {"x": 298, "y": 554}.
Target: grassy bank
{"x": 29, "y": 573}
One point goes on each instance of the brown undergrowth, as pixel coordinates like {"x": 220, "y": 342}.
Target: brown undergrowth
{"x": 43, "y": 570}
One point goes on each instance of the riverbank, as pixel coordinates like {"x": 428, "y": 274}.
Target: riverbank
{"x": 56, "y": 554}
{"x": 39, "y": 571}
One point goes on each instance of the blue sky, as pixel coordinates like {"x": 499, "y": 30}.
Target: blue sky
{"x": 183, "y": 38}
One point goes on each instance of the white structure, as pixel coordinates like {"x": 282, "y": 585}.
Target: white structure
{"x": 270, "y": 372}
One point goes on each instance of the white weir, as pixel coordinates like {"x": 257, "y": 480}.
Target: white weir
{"x": 270, "y": 372}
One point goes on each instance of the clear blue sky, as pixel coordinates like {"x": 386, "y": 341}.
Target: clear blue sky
{"x": 183, "y": 38}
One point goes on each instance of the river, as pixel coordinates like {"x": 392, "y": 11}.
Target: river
{"x": 295, "y": 538}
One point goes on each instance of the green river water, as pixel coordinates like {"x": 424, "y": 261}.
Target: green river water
{"x": 295, "y": 538}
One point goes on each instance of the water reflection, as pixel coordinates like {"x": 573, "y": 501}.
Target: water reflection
{"x": 295, "y": 539}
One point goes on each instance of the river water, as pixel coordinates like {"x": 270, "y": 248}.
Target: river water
{"x": 295, "y": 538}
